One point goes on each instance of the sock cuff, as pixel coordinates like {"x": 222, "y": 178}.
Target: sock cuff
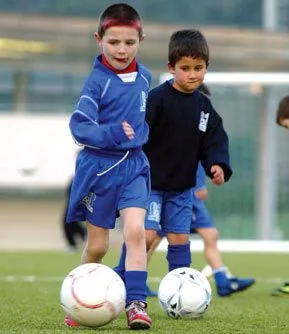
{"x": 222, "y": 269}
{"x": 174, "y": 248}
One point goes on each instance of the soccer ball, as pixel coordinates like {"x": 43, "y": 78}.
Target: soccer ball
{"x": 93, "y": 294}
{"x": 184, "y": 293}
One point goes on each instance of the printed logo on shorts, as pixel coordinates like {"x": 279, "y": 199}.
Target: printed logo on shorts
{"x": 143, "y": 101}
{"x": 204, "y": 121}
{"x": 88, "y": 201}
{"x": 154, "y": 212}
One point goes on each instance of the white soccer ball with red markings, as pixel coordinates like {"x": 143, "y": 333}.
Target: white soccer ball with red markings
{"x": 93, "y": 294}
{"x": 184, "y": 293}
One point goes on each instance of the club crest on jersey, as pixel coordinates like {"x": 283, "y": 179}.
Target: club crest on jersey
{"x": 88, "y": 201}
{"x": 204, "y": 121}
{"x": 143, "y": 101}
{"x": 154, "y": 212}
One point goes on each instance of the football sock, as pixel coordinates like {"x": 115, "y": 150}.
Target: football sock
{"x": 120, "y": 268}
{"x": 179, "y": 256}
{"x": 135, "y": 283}
{"x": 220, "y": 275}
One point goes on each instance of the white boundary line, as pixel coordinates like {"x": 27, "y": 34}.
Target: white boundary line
{"x": 258, "y": 246}
{"x": 151, "y": 279}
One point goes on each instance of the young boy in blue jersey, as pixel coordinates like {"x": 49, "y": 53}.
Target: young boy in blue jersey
{"x": 112, "y": 172}
{"x": 184, "y": 130}
{"x": 282, "y": 119}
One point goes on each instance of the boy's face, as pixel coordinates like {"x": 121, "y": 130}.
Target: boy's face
{"x": 284, "y": 122}
{"x": 188, "y": 74}
{"x": 119, "y": 45}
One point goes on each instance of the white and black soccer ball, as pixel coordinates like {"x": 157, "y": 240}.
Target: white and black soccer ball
{"x": 93, "y": 294}
{"x": 184, "y": 293}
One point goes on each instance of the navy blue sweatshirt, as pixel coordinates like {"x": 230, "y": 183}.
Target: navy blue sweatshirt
{"x": 184, "y": 129}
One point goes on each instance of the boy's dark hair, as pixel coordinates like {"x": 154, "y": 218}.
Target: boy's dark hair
{"x": 188, "y": 43}
{"x": 119, "y": 14}
{"x": 205, "y": 89}
{"x": 283, "y": 110}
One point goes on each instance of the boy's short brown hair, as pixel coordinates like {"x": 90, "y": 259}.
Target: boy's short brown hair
{"x": 188, "y": 43}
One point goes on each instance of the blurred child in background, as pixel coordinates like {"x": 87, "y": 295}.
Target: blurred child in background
{"x": 112, "y": 172}
{"x": 282, "y": 119}
{"x": 74, "y": 230}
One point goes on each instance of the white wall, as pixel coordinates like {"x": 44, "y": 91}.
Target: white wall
{"x": 36, "y": 151}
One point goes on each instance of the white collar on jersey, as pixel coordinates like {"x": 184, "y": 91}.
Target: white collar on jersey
{"x": 128, "y": 77}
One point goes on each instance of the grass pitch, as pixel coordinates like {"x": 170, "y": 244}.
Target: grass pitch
{"x": 30, "y": 284}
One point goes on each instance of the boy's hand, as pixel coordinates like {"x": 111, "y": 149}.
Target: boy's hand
{"x": 202, "y": 194}
{"x": 128, "y": 130}
{"x": 218, "y": 175}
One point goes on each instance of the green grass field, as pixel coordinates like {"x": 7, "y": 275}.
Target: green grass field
{"x": 30, "y": 284}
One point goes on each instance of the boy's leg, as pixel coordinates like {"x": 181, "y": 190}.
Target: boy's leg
{"x": 156, "y": 241}
{"x": 211, "y": 250}
{"x": 120, "y": 268}
{"x": 178, "y": 208}
{"x": 96, "y": 245}
{"x": 179, "y": 253}
{"x": 136, "y": 272}
{"x": 225, "y": 283}
{"x": 94, "y": 250}
{"x": 152, "y": 240}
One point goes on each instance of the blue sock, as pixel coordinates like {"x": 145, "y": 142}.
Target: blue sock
{"x": 220, "y": 276}
{"x": 179, "y": 256}
{"x": 135, "y": 283}
{"x": 120, "y": 268}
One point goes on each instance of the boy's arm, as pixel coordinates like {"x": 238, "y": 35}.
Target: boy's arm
{"x": 151, "y": 109}
{"x": 87, "y": 131}
{"x": 215, "y": 148}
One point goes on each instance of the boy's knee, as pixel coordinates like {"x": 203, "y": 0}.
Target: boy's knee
{"x": 211, "y": 237}
{"x": 97, "y": 251}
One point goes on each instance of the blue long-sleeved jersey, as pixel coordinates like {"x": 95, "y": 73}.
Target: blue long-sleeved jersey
{"x": 105, "y": 102}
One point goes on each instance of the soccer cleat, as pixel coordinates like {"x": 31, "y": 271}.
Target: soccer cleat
{"x": 137, "y": 317}
{"x": 70, "y": 322}
{"x": 151, "y": 293}
{"x": 233, "y": 285}
{"x": 281, "y": 292}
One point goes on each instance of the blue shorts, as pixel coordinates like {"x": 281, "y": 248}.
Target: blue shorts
{"x": 103, "y": 185}
{"x": 170, "y": 211}
{"x": 201, "y": 216}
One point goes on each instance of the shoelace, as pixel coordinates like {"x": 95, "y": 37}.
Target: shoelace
{"x": 139, "y": 306}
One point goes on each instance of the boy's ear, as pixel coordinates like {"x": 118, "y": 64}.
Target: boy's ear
{"x": 142, "y": 38}
{"x": 97, "y": 37}
{"x": 171, "y": 68}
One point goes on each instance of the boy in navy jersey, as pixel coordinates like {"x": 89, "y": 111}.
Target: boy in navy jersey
{"x": 184, "y": 130}
{"x": 282, "y": 119}
{"x": 202, "y": 224}
{"x": 112, "y": 171}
